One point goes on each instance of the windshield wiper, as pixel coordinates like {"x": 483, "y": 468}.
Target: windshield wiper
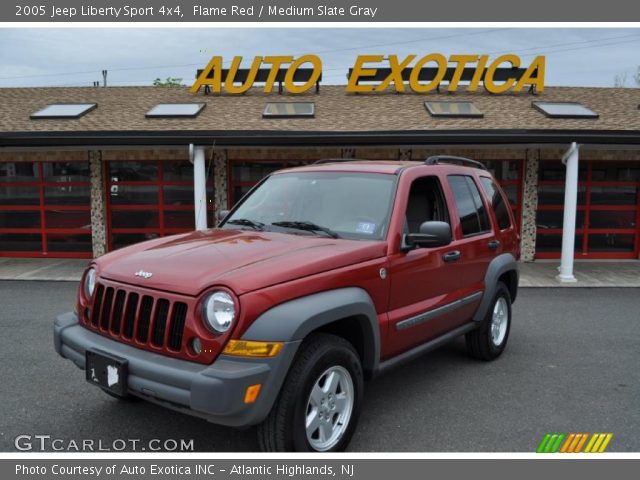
{"x": 245, "y": 222}
{"x": 306, "y": 226}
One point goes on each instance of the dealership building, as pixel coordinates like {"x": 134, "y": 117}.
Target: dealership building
{"x": 84, "y": 171}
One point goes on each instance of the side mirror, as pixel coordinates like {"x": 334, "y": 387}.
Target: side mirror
{"x": 222, "y": 214}
{"x": 432, "y": 234}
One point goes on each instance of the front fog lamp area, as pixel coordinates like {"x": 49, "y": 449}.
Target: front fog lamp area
{"x": 89, "y": 283}
{"x": 195, "y": 345}
{"x": 218, "y": 311}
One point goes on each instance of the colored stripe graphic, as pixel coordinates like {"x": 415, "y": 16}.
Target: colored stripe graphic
{"x": 543, "y": 443}
{"x": 598, "y": 443}
{"x": 583, "y": 439}
{"x": 550, "y": 443}
{"x": 574, "y": 442}
{"x": 568, "y": 442}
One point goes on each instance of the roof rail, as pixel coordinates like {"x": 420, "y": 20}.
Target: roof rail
{"x": 437, "y": 159}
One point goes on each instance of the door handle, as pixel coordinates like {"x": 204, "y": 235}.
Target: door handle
{"x": 451, "y": 256}
{"x": 494, "y": 244}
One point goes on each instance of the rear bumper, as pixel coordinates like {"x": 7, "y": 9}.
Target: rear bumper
{"x": 214, "y": 392}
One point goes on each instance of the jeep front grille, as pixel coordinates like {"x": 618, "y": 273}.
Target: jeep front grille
{"x": 148, "y": 320}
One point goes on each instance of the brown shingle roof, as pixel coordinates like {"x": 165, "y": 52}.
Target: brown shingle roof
{"x": 123, "y": 109}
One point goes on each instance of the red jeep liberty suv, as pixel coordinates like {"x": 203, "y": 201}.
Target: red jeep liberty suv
{"x": 320, "y": 278}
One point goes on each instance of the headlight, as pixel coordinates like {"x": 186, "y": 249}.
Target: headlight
{"x": 218, "y": 311}
{"x": 89, "y": 283}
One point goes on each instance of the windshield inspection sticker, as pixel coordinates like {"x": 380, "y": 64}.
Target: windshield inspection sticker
{"x": 366, "y": 227}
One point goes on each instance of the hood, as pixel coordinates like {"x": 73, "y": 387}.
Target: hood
{"x": 239, "y": 259}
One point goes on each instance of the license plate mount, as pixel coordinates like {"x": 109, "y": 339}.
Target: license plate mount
{"x": 107, "y": 372}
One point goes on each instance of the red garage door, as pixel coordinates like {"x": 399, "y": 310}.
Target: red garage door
{"x": 45, "y": 209}
{"x": 608, "y": 210}
{"x": 149, "y": 199}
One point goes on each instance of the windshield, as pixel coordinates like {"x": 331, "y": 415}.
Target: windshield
{"x": 341, "y": 205}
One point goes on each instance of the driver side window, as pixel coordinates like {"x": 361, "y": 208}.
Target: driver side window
{"x": 426, "y": 203}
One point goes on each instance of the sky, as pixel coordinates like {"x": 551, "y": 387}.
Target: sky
{"x": 136, "y": 56}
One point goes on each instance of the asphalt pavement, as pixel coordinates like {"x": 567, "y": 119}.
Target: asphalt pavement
{"x": 571, "y": 365}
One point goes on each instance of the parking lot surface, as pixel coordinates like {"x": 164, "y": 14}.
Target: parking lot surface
{"x": 572, "y": 365}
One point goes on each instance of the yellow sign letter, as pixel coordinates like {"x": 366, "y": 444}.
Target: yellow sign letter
{"x": 414, "y": 79}
{"x": 317, "y": 70}
{"x": 359, "y": 71}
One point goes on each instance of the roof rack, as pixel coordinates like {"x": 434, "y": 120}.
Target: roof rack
{"x": 437, "y": 159}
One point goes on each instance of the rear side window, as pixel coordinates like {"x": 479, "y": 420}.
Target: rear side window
{"x": 471, "y": 210}
{"x": 497, "y": 202}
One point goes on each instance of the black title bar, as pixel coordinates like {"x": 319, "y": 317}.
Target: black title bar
{"x": 230, "y": 11}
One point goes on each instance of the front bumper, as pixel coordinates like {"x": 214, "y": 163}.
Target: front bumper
{"x": 214, "y": 392}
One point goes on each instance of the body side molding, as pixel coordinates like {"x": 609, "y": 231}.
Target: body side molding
{"x": 436, "y": 312}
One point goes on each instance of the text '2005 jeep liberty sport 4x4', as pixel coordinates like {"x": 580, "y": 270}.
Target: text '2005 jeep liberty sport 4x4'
{"x": 321, "y": 277}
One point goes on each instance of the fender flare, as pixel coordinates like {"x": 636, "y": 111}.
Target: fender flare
{"x": 500, "y": 265}
{"x": 294, "y": 320}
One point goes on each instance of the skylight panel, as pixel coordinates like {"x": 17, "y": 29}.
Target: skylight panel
{"x": 289, "y": 110}
{"x": 175, "y": 110}
{"x": 64, "y": 110}
{"x": 459, "y": 109}
{"x": 564, "y": 110}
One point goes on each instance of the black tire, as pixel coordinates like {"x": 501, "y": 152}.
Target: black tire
{"x": 480, "y": 343}
{"x": 284, "y": 428}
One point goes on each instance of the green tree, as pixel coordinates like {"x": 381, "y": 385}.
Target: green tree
{"x": 168, "y": 82}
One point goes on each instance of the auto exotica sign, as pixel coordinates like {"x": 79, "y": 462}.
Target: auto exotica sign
{"x": 377, "y": 73}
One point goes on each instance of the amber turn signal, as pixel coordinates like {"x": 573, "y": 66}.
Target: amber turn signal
{"x": 247, "y": 348}
{"x": 251, "y": 395}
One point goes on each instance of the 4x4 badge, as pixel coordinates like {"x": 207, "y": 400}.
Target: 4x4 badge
{"x": 143, "y": 274}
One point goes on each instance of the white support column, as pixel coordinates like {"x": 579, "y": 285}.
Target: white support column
{"x": 199, "y": 188}
{"x": 570, "y": 159}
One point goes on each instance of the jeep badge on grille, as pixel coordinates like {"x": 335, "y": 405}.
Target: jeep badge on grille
{"x": 143, "y": 274}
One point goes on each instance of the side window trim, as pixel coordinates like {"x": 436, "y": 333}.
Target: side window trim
{"x": 466, "y": 179}
{"x": 471, "y": 181}
{"x": 504, "y": 200}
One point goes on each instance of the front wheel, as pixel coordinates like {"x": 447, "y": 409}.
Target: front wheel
{"x": 488, "y": 341}
{"x": 319, "y": 404}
